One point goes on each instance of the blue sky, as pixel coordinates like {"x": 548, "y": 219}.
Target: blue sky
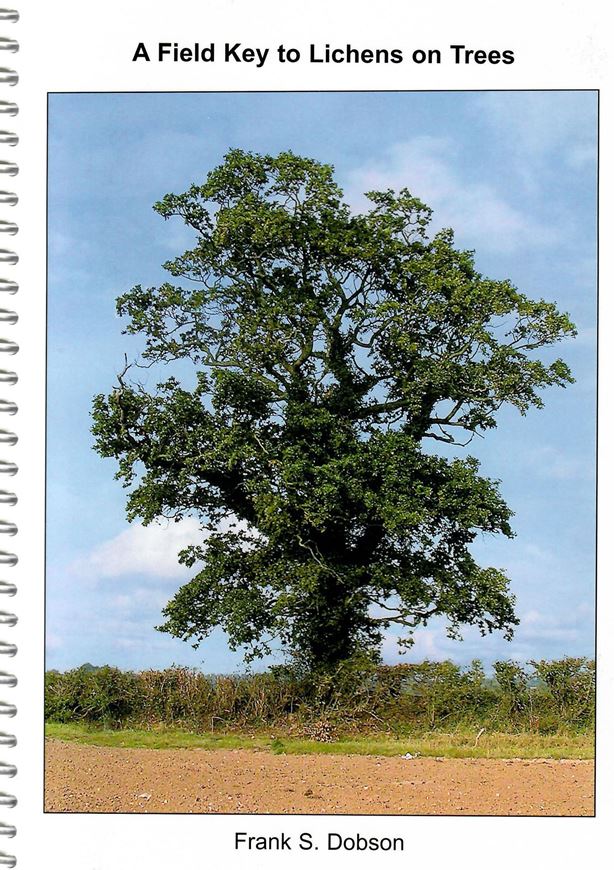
{"x": 513, "y": 173}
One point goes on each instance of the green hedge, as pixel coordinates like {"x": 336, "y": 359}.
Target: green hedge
{"x": 542, "y": 696}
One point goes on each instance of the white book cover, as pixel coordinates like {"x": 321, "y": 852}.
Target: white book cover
{"x": 301, "y": 549}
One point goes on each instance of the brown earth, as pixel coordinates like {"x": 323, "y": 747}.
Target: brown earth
{"x": 95, "y": 779}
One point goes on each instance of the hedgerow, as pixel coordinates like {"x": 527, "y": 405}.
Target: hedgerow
{"x": 541, "y": 696}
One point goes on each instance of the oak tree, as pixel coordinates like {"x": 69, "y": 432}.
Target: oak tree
{"x": 315, "y": 355}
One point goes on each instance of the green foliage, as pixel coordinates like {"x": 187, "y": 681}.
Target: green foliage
{"x": 571, "y": 684}
{"x": 106, "y": 695}
{"x": 328, "y": 348}
{"x": 513, "y": 680}
{"x": 356, "y": 696}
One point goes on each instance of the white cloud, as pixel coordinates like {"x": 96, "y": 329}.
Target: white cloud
{"x": 61, "y": 244}
{"x": 177, "y": 237}
{"x": 149, "y": 550}
{"x": 539, "y": 629}
{"x": 587, "y": 337}
{"x": 138, "y": 600}
{"x": 541, "y": 134}
{"x": 428, "y": 644}
{"x": 581, "y": 155}
{"x": 540, "y": 634}
{"x": 146, "y": 550}
{"x": 53, "y": 641}
{"x": 555, "y": 464}
{"x": 476, "y": 210}
{"x": 542, "y": 123}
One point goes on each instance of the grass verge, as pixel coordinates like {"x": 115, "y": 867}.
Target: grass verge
{"x": 459, "y": 744}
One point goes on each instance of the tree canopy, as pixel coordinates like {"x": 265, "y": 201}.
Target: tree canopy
{"x": 326, "y": 350}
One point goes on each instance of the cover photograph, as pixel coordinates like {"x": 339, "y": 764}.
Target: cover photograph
{"x": 321, "y": 453}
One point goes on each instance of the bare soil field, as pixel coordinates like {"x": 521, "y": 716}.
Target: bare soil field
{"x": 81, "y": 778}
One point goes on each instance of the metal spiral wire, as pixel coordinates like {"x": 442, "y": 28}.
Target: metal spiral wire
{"x": 9, "y": 168}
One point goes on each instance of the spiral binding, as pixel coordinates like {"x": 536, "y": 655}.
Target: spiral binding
{"x": 8, "y": 228}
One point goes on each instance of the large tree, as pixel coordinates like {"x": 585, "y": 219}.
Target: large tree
{"x": 326, "y": 349}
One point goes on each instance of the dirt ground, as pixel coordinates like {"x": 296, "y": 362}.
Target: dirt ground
{"x": 81, "y": 778}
